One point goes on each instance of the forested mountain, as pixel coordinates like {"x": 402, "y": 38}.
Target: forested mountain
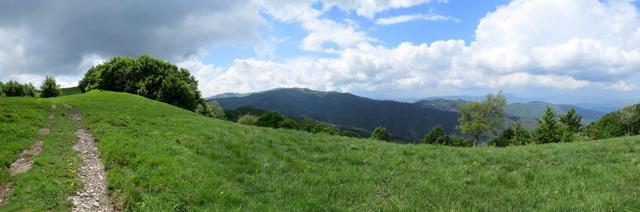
{"x": 405, "y": 121}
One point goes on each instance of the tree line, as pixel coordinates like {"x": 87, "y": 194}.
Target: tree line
{"x": 13, "y": 88}
{"x": 484, "y": 119}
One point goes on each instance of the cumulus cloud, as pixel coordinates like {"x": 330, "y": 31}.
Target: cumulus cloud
{"x": 39, "y": 37}
{"x": 569, "y": 44}
{"x": 414, "y": 17}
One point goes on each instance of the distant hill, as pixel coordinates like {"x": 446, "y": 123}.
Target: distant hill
{"x": 530, "y": 110}
{"x": 227, "y": 95}
{"x": 441, "y": 104}
{"x": 536, "y": 109}
{"x": 405, "y": 121}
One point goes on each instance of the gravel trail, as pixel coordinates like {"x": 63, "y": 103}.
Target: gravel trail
{"x": 93, "y": 196}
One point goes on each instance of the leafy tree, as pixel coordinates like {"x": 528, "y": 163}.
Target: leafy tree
{"x": 572, "y": 120}
{"x": 629, "y": 116}
{"x": 13, "y": 88}
{"x": 50, "y": 88}
{"x": 608, "y": 126}
{"x": 211, "y": 109}
{"x": 248, "y": 119}
{"x": 270, "y": 119}
{"x": 380, "y": 133}
{"x": 146, "y": 76}
{"x": 435, "y": 135}
{"x": 478, "y": 118}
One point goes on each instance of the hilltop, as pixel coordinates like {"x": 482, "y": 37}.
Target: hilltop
{"x": 161, "y": 157}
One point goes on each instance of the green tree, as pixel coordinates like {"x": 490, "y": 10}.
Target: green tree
{"x": 211, "y": 109}
{"x": 2, "y": 89}
{"x": 548, "y": 130}
{"x": 13, "y": 88}
{"x": 479, "y": 117}
{"x": 248, "y": 119}
{"x": 380, "y": 133}
{"x": 572, "y": 120}
{"x": 521, "y": 136}
{"x": 270, "y": 119}
{"x": 49, "y": 88}
{"x": 146, "y": 76}
{"x": 435, "y": 135}
{"x": 629, "y": 116}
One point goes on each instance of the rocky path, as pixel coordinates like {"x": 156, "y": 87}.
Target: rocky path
{"x": 25, "y": 160}
{"x": 93, "y": 196}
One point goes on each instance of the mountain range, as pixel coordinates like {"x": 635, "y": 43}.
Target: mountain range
{"x": 405, "y": 121}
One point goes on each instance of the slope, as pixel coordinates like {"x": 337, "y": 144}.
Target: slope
{"x": 159, "y": 157}
{"x": 403, "y": 120}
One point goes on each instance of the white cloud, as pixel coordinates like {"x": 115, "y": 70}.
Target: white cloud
{"x": 369, "y": 9}
{"x": 414, "y": 17}
{"x": 621, "y": 86}
{"x": 572, "y": 44}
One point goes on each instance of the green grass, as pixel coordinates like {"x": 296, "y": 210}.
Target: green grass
{"x": 20, "y": 120}
{"x": 70, "y": 91}
{"x": 52, "y": 177}
{"x": 159, "y": 157}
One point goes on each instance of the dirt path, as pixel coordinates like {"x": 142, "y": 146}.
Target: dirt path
{"x": 25, "y": 160}
{"x": 93, "y": 197}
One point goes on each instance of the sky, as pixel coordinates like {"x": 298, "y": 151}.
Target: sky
{"x": 562, "y": 51}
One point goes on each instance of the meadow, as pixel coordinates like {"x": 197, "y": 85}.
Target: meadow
{"x": 160, "y": 157}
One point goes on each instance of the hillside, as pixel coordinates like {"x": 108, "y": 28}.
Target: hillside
{"x": 403, "y": 120}
{"x": 159, "y": 157}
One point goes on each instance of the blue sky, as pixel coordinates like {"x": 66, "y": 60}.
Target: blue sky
{"x": 560, "y": 51}
{"x": 467, "y": 11}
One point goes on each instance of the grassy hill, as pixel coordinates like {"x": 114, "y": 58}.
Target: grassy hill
{"x": 160, "y": 157}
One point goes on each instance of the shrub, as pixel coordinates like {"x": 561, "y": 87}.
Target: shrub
{"x": 248, "y": 119}
{"x": 435, "y": 135}
{"x": 380, "y": 133}
{"x": 270, "y": 119}
{"x": 50, "y": 88}
{"x": 289, "y": 123}
{"x": 514, "y": 135}
{"x": 2, "y": 89}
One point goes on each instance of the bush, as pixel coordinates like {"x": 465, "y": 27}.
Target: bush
{"x": 50, "y": 88}
{"x": 380, "y": 133}
{"x": 515, "y": 135}
{"x": 270, "y": 119}
{"x": 211, "y": 109}
{"x": 248, "y": 119}
{"x": 289, "y": 123}
{"x": 435, "y": 135}
{"x": 13, "y": 88}
{"x": 2, "y": 89}
{"x": 148, "y": 77}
